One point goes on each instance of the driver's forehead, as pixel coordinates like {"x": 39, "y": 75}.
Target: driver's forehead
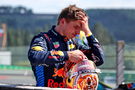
{"x": 76, "y": 23}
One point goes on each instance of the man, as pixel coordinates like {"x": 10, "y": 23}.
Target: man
{"x": 49, "y": 51}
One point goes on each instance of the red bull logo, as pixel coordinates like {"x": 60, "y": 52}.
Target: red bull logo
{"x": 60, "y": 53}
{"x": 53, "y": 84}
{"x": 59, "y": 72}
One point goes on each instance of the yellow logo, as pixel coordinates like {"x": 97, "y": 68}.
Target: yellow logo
{"x": 57, "y": 53}
{"x": 37, "y": 48}
{"x": 71, "y": 46}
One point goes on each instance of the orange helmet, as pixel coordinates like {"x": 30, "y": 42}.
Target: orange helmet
{"x": 82, "y": 76}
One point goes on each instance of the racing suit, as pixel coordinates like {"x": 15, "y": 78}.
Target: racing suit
{"x": 48, "y": 53}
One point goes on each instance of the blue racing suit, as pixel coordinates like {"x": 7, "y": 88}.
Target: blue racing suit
{"x": 48, "y": 53}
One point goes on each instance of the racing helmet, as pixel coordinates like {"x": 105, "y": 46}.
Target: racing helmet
{"x": 82, "y": 76}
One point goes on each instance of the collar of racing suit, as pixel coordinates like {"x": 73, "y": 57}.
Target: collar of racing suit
{"x": 55, "y": 33}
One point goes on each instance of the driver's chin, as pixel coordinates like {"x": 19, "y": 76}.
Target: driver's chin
{"x": 70, "y": 37}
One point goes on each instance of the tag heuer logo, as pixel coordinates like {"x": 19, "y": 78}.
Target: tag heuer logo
{"x": 56, "y": 44}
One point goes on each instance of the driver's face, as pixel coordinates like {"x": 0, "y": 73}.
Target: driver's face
{"x": 72, "y": 28}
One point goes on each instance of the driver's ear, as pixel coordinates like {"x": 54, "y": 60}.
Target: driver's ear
{"x": 62, "y": 21}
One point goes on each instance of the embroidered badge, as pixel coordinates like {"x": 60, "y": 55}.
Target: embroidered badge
{"x": 71, "y": 46}
{"x": 60, "y": 53}
{"x": 56, "y": 44}
{"x": 37, "y": 48}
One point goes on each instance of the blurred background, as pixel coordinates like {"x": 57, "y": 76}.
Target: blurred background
{"x": 111, "y": 21}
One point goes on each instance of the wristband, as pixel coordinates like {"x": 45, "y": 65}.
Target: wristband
{"x": 89, "y": 34}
